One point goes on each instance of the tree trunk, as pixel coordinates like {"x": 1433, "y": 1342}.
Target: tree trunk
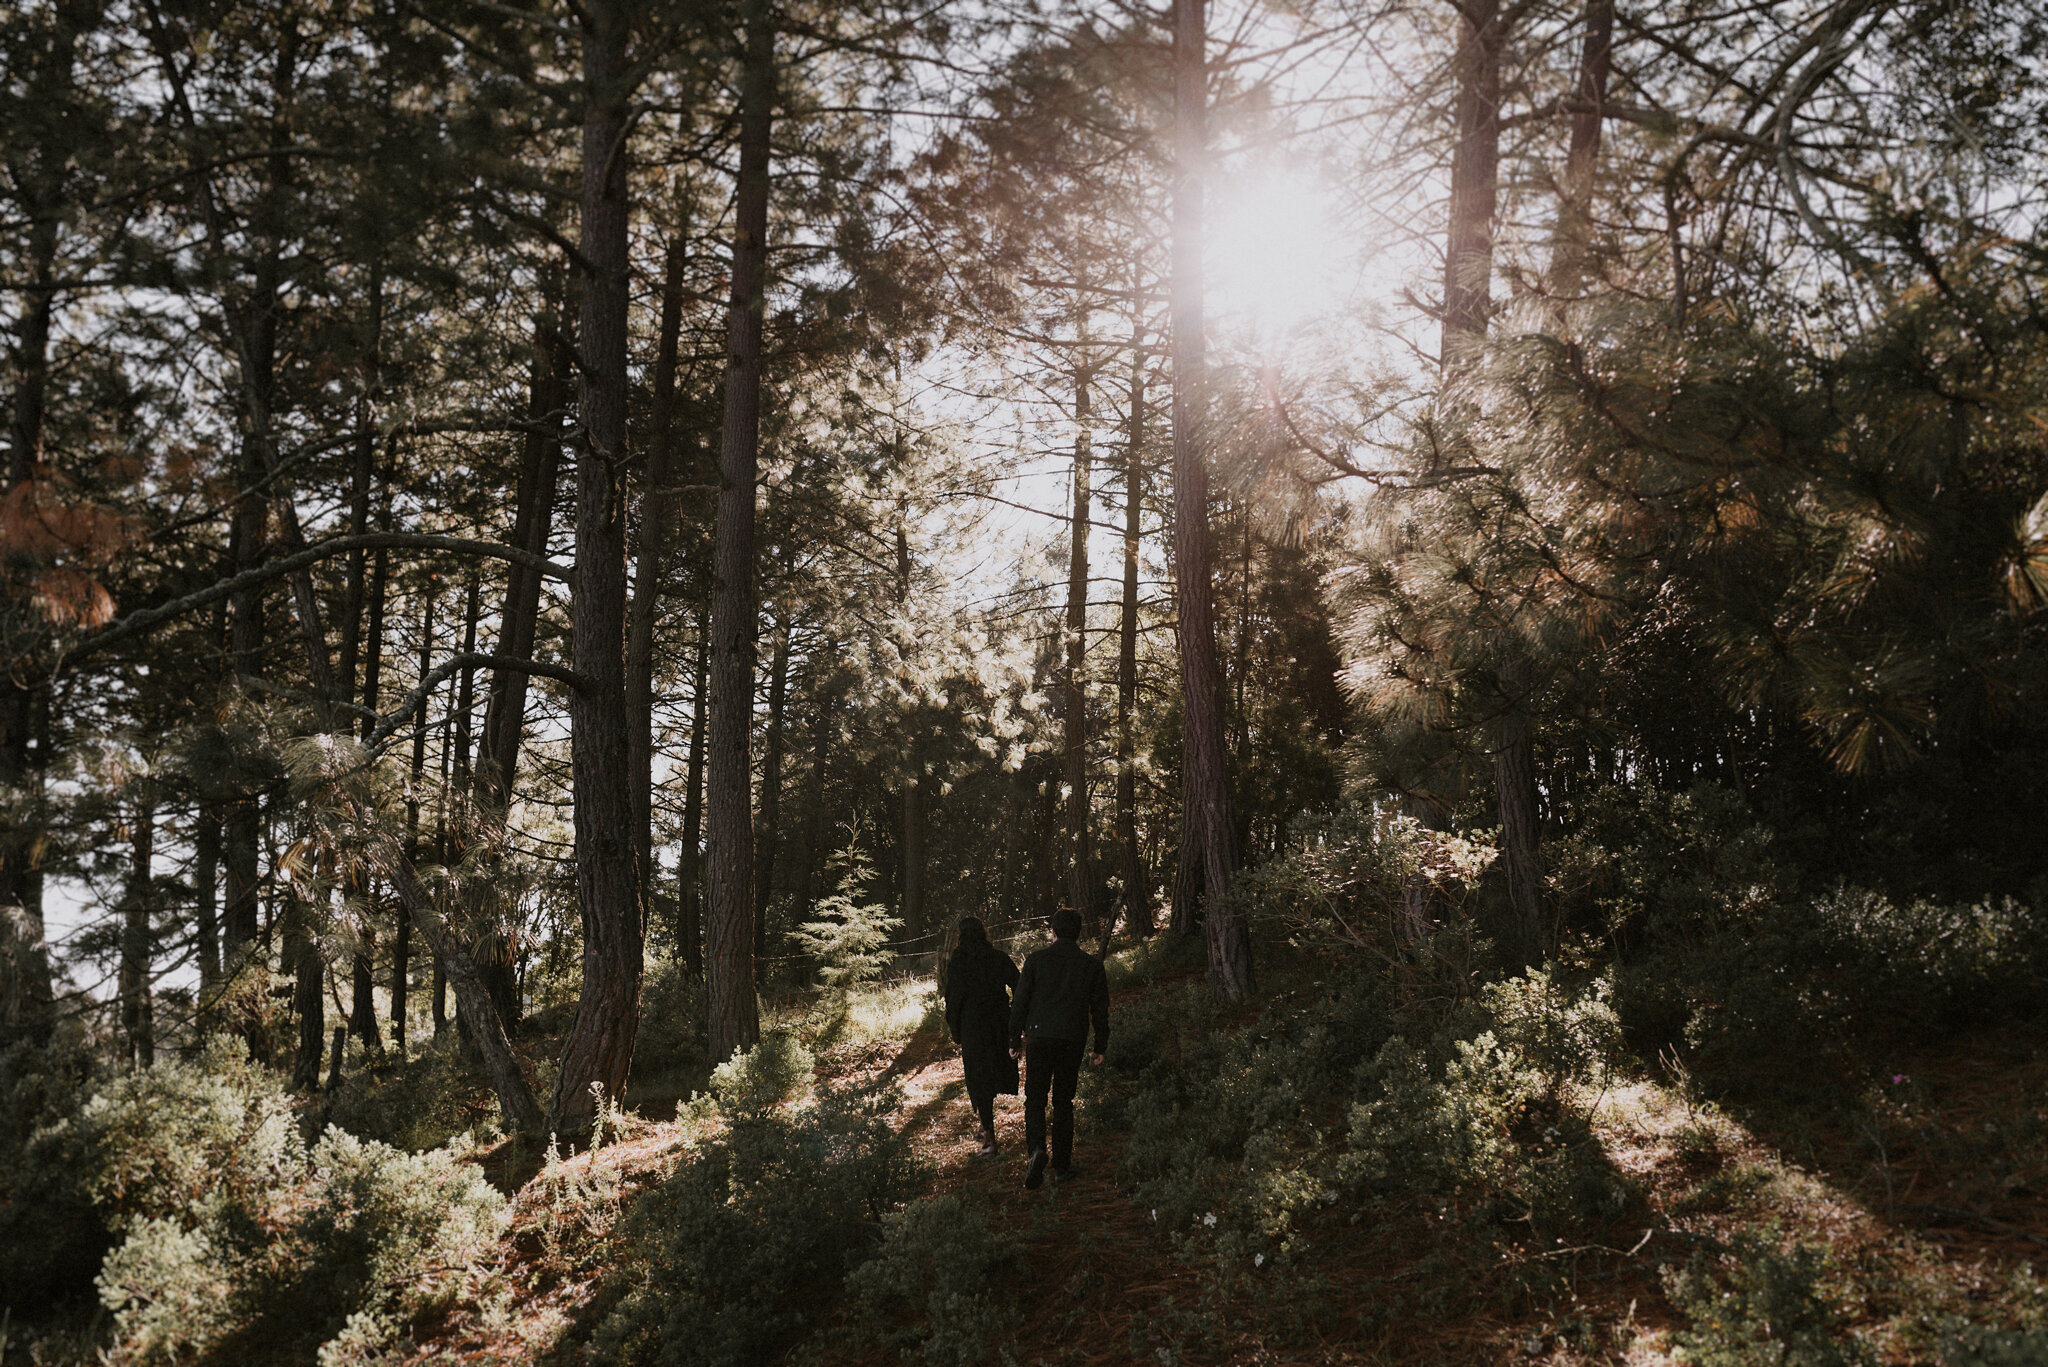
{"x": 309, "y": 998}
{"x": 505, "y": 712}
{"x": 137, "y": 1015}
{"x": 1080, "y": 889}
{"x": 599, "y": 1050}
{"x": 25, "y": 988}
{"x": 1187, "y": 874}
{"x": 206, "y": 890}
{"x": 814, "y": 806}
{"x": 1208, "y": 782}
{"x": 412, "y": 810}
{"x": 1514, "y": 774}
{"x": 1571, "y": 248}
{"x": 770, "y": 832}
{"x": 735, "y": 1019}
{"x": 360, "y": 481}
{"x": 655, "y": 513}
{"x": 1137, "y": 886}
{"x": 1475, "y": 181}
{"x": 913, "y": 855}
{"x": 515, "y": 1097}
{"x": 465, "y": 686}
{"x": 362, "y": 1016}
{"x": 401, "y": 966}
{"x": 690, "y": 861}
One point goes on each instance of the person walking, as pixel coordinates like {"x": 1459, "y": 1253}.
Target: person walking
{"x": 978, "y": 982}
{"x": 1060, "y": 993}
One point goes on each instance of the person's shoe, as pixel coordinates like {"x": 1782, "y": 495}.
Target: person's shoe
{"x": 1034, "y": 1176}
{"x": 987, "y": 1149}
{"x": 1066, "y": 1174}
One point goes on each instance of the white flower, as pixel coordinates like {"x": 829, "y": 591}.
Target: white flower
{"x": 1209, "y": 1220}
{"x": 1258, "y": 1260}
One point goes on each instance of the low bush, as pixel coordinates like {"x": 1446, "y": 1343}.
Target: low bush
{"x": 52, "y": 1237}
{"x": 937, "y": 1288}
{"x": 241, "y": 1243}
{"x": 419, "y": 1102}
{"x": 733, "y": 1257}
{"x": 1750, "y": 1302}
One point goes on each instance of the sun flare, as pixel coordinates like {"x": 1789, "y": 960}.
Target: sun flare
{"x": 1275, "y": 258}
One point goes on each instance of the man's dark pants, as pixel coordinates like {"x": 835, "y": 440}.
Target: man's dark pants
{"x": 1052, "y": 1065}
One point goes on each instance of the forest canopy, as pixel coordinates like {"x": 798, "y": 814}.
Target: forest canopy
{"x": 534, "y": 534}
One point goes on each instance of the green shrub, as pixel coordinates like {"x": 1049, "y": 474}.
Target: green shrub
{"x": 241, "y": 1243}
{"x": 671, "y": 1057}
{"x": 754, "y": 1080}
{"x": 850, "y": 938}
{"x": 1565, "y": 1036}
{"x": 731, "y": 1259}
{"x": 1976, "y": 1347}
{"x": 420, "y": 1102}
{"x": 1752, "y": 1304}
{"x": 52, "y": 1237}
{"x": 941, "y": 1269}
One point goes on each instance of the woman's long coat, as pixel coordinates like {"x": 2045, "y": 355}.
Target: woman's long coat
{"x": 978, "y": 983}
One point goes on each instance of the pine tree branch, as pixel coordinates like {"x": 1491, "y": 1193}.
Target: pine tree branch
{"x": 147, "y": 619}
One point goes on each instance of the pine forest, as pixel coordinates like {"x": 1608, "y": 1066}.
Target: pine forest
{"x": 635, "y": 634}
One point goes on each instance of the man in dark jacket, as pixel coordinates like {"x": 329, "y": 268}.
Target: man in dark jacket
{"x": 1061, "y": 990}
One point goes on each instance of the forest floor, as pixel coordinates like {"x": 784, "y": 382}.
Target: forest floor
{"x": 1928, "y": 1197}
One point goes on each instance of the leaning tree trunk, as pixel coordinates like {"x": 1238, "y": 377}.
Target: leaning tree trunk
{"x": 599, "y": 1050}
{"x": 1080, "y": 892}
{"x": 515, "y": 1097}
{"x": 1137, "y": 887}
{"x": 1207, "y": 785}
{"x": 729, "y": 967}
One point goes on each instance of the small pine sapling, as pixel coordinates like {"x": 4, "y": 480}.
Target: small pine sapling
{"x": 850, "y": 938}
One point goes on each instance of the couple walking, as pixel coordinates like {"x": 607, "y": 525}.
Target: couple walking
{"x": 1042, "y": 1016}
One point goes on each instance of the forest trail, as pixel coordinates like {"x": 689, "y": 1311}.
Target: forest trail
{"x": 1095, "y": 1272}
{"x": 1938, "y": 1202}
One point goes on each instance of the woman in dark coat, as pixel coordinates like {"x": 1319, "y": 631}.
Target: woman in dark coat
{"x": 978, "y": 983}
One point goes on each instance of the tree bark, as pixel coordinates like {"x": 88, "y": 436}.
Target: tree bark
{"x": 1080, "y": 883}
{"x": 1571, "y": 249}
{"x": 515, "y": 1097}
{"x": 1137, "y": 886}
{"x": 412, "y": 816}
{"x": 1514, "y": 774}
{"x": 690, "y": 862}
{"x": 401, "y": 966}
{"x": 770, "y": 826}
{"x": 26, "y": 999}
{"x": 309, "y": 999}
{"x": 1475, "y": 183}
{"x": 599, "y": 1050}
{"x": 1208, "y": 780}
{"x": 362, "y": 1015}
{"x": 137, "y": 1013}
{"x": 735, "y": 1019}
{"x": 518, "y": 624}
{"x": 206, "y": 889}
{"x": 655, "y": 514}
